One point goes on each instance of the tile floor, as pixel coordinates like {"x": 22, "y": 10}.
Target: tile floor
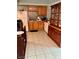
{"x": 40, "y": 46}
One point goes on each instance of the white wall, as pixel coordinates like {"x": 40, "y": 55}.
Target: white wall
{"x": 23, "y": 16}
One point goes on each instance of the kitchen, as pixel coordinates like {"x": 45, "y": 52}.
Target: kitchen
{"x": 41, "y": 32}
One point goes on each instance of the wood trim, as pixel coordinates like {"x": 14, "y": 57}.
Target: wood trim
{"x": 55, "y": 28}
{"x": 55, "y": 3}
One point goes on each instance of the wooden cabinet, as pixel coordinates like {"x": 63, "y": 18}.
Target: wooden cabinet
{"x": 21, "y": 40}
{"x": 40, "y": 25}
{"x": 56, "y": 15}
{"x": 54, "y": 30}
{"x": 21, "y": 47}
{"x": 30, "y": 25}
{"x": 32, "y": 8}
{"x": 36, "y": 25}
{"x": 42, "y": 10}
{"x": 55, "y": 35}
{"x": 33, "y": 25}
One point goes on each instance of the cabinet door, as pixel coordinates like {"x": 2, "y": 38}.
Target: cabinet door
{"x": 50, "y": 31}
{"x": 41, "y": 25}
{"x": 20, "y": 48}
{"x": 42, "y": 10}
{"x": 30, "y": 25}
{"x": 57, "y": 37}
{"x": 35, "y": 25}
{"x": 39, "y": 10}
{"x": 56, "y": 15}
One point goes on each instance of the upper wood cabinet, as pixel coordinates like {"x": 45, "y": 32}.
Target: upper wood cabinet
{"x": 56, "y": 15}
{"x": 32, "y": 8}
{"x": 42, "y": 10}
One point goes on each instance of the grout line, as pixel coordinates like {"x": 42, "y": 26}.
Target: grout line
{"x": 41, "y": 35}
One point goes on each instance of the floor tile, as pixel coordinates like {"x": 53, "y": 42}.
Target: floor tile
{"x": 31, "y": 53}
{"x": 50, "y": 56}
{"x": 41, "y": 56}
{"x": 31, "y": 57}
{"x": 40, "y": 46}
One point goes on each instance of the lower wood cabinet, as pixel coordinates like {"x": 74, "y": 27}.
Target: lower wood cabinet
{"x": 40, "y": 25}
{"x": 21, "y": 47}
{"x": 36, "y": 25}
{"x": 30, "y": 25}
{"x": 55, "y": 35}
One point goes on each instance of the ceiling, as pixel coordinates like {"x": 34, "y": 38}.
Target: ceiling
{"x": 37, "y": 1}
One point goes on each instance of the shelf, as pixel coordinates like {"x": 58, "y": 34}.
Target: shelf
{"x": 56, "y": 15}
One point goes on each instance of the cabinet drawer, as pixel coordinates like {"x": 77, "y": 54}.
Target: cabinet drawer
{"x": 55, "y": 35}
{"x": 50, "y": 31}
{"x": 57, "y": 32}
